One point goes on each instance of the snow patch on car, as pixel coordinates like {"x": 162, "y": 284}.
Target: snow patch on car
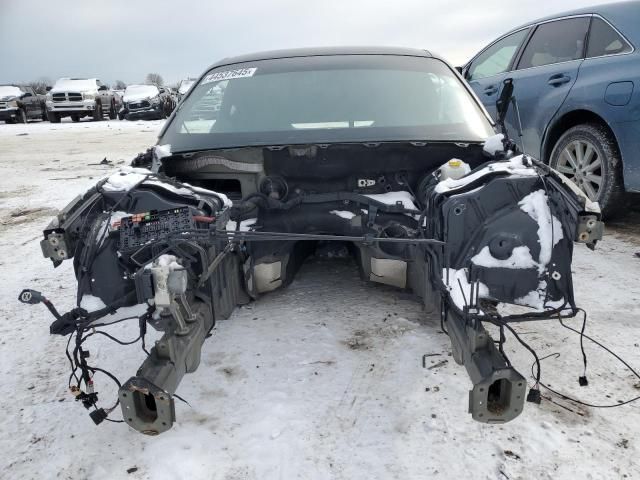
{"x": 393, "y": 198}
{"x": 92, "y": 303}
{"x": 460, "y": 288}
{"x": 245, "y": 225}
{"x": 140, "y": 92}
{"x": 535, "y": 298}
{"x": 108, "y": 224}
{"x": 493, "y": 144}
{"x": 520, "y": 259}
{"x": 75, "y": 84}
{"x": 130, "y": 177}
{"x": 347, "y": 215}
{"x": 549, "y": 227}
{"x": 9, "y": 91}
{"x": 159, "y": 152}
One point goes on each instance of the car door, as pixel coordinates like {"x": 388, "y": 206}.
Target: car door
{"x": 546, "y": 70}
{"x": 104, "y": 94}
{"x": 30, "y": 101}
{"x": 487, "y": 70}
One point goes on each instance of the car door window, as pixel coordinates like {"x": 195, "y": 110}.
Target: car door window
{"x": 604, "y": 40}
{"x": 555, "y": 42}
{"x": 497, "y": 58}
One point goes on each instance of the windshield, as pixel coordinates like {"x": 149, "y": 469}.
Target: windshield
{"x": 140, "y": 92}
{"x": 10, "y": 91}
{"x": 325, "y": 99}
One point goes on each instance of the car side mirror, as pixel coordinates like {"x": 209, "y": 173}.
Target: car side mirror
{"x": 102, "y": 88}
{"x": 48, "y": 88}
{"x": 27, "y": 94}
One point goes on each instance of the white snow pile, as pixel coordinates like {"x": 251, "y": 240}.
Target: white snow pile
{"x": 514, "y": 166}
{"x": 392, "y": 198}
{"x": 493, "y": 144}
{"x": 140, "y": 92}
{"x": 520, "y": 259}
{"x": 129, "y": 177}
{"x": 460, "y": 288}
{"x": 346, "y": 214}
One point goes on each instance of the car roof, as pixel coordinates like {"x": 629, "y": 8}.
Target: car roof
{"x": 624, "y": 16}
{"x": 322, "y": 51}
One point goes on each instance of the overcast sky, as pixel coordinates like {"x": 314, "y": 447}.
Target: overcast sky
{"x": 126, "y": 39}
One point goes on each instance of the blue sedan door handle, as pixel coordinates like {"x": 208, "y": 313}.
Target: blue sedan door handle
{"x": 558, "y": 79}
{"x": 491, "y": 90}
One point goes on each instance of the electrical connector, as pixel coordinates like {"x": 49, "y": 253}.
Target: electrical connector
{"x": 98, "y": 416}
{"x": 534, "y": 396}
{"x": 32, "y": 297}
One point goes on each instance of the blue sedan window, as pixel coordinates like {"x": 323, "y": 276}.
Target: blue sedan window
{"x": 604, "y": 40}
{"x": 555, "y": 42}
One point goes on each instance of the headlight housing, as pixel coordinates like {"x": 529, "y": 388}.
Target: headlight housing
{"x": 155, "y": 100}
{"x": 88, "y": 96}
{"x": 13, "y": 104}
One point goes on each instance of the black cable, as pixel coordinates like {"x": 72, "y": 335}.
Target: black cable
{"x": 584, "y": 325}
{"x": 501, "y": 343}
{"x": 608, "y": 350}
{"x": 533, "y": 352}
{"x": 118, "y": 341}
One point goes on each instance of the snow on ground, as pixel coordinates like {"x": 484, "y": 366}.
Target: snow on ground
{"x": 321, "y": 380}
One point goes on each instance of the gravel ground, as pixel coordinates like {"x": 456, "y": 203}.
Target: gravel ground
{"x": 321, "y": 380}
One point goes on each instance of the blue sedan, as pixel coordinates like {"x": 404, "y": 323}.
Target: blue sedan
{"x": 577, "y": 89}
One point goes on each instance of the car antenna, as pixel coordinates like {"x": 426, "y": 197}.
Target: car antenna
{"x": 502, "y": 107}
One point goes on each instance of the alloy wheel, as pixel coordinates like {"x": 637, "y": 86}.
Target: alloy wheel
{"x": 581, "y": 162}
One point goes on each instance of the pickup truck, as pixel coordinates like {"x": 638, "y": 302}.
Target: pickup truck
{"x": 80, "y": 97}
{"x": 19, "y": 103}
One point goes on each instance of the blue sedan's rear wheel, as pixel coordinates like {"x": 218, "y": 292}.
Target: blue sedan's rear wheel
{"x": 589, "y": 156}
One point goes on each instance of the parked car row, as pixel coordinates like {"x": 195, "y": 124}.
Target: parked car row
{"x": 78, "y": 98}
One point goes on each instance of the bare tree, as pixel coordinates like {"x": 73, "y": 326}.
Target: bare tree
{"x": 40, "y": 85}
{"x": 119, "y": 85}
{"x": 154, "y": 79}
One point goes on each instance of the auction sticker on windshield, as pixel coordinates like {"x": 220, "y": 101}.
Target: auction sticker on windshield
{"x": 228, "y": 75}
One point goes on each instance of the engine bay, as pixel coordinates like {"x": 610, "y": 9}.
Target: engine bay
{"x": 179, "y": 240}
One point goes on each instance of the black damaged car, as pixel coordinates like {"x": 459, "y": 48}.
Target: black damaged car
{"x": 146, "y": 102}
{"x": 386, "y": 151}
